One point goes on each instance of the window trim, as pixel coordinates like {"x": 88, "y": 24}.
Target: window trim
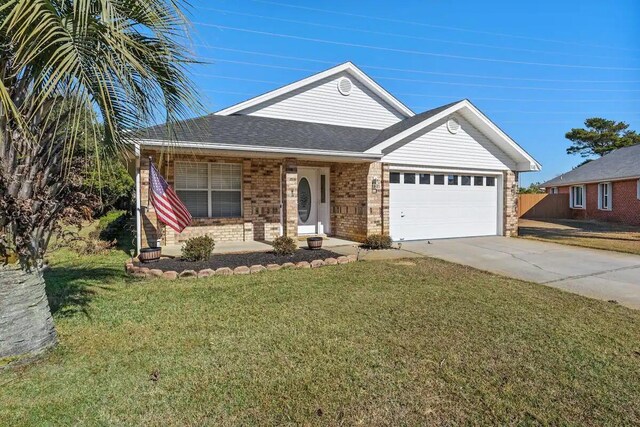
{"x": 638, "y": 188}
{"x": 209, "y": 189}
{"x": 572, "y": 197}
{"x": 609, "y": 190}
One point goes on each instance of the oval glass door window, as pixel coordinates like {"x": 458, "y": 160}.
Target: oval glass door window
{"x": 304, "y": 200}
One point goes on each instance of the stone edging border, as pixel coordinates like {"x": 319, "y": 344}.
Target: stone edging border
{"x": 150, "y": 273}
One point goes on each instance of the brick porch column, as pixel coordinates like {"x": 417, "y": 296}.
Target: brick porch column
{"x": 510, "y": 191}
{"x": 290, "y": 197}
{"x": 247, "y": 197}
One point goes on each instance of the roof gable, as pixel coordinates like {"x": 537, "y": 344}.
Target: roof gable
{"x": 318, "y": 99}
{"x": 436, "y": 146}
{"x": 623, "y": 163}
{"x": 403, "y": 134}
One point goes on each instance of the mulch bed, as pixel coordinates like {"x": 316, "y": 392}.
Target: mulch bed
{"x": 236, "y": 260}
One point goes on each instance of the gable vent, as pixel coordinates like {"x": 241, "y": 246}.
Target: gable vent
{"x": 452, "y": 125}
{"x": 345, "y": 86}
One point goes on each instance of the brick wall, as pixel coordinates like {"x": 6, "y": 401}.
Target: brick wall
{"x": 356, "y": 208}
{"x": 510, "y": 195}
{"x": 625, "y": 209}
{"x": 260, "y": 218}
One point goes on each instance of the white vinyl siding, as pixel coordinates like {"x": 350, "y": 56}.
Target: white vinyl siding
{"x": 578, "y": 197}
{"x": 321, "y": 102}
{"x": 604, "y": 196}
{"x": 210, "y": 189}
{"x": 467, "y": 149}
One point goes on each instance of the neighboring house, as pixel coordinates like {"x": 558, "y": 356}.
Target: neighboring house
{"x": 336, "y": 154}
{"x": 606, "y": 189}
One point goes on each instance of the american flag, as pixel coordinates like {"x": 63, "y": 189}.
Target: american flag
{"x": 169, "y": 208}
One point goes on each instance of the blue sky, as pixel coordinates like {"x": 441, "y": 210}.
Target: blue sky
{"x": 535, "y": 68}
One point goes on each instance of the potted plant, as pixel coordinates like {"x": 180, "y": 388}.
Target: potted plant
{"x": 149, "y": 254}
{"x": 314, "y": 242}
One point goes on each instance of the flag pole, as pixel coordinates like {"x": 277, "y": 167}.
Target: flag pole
{"x": 158, "y": 225}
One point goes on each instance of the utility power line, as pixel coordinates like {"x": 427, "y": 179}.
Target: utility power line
{"x": 563, "y": 89}
{"x": 449, "y": 97}
{"x": 444, "y": 27}
{"x": 375, "y": 67}
{"x": 406, "y": 36}
{"x": 413, "y": 52}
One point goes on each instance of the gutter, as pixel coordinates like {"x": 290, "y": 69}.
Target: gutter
{"x": 261, "y": 149}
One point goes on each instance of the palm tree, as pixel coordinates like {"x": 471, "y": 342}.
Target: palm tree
{"x": 71, "y": 71}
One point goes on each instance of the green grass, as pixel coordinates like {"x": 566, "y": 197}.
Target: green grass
{"x": 586, "y": 234}
{"x": 372, "y": 343}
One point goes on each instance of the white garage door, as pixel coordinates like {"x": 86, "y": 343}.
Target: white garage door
{"x": 435, "y": 205}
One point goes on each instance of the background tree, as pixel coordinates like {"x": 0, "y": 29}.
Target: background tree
{"x": 64, "y": 62}
{"x": 600, "y": 137}
{"x": 533, "y": 188}
{"x": 106, "y": 176}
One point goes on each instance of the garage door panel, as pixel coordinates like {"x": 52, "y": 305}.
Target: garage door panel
{"x": 429, "y": 211}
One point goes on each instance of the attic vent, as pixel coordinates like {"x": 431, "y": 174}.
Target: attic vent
{"x": 452, "y": 125}
{"x": 345, "y": 86}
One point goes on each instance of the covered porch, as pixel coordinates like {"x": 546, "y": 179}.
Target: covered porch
{"x": 243, "y": 200}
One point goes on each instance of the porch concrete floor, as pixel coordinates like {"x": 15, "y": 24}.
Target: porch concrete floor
{"x": 328, "y": 242}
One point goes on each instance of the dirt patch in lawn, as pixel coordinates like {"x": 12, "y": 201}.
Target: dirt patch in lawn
{"x": 237, "y": 260}
{"x": 590, "y": 234}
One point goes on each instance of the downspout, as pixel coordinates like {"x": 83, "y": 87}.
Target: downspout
{"x": 138, "y": 211}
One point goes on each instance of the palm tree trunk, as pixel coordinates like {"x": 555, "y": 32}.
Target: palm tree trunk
{"x": 26, "y": 325}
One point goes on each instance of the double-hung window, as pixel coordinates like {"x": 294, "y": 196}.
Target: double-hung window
{"x": 210, "y": 189}
{"x": 604, "y": 196}
{"x": 577, "y": 200}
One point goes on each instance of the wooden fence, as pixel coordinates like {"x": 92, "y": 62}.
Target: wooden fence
{"x": 543, "y": 206}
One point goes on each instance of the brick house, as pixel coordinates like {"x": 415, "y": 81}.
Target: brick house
{"x": 605, "y": 189}
{"x": 334, "y": 154}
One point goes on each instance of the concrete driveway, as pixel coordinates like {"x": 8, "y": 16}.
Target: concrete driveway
{"x": 594, "y": 273}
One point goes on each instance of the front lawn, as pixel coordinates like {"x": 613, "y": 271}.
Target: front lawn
{"x": 408, "y": 342}
{"x": 588, "y": 234}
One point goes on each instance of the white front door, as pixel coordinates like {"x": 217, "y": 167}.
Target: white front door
{"x": 313, "y": 197}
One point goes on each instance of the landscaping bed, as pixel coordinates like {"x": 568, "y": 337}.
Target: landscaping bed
{"x": 238, "y": 263}
{"x": 238, "y": 260}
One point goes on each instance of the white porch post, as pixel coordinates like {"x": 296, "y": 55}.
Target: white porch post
{"x": 138, "y": 195}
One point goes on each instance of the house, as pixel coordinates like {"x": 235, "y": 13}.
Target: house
{"x": 335, "y": 154}
{"x": 605, "y": 189}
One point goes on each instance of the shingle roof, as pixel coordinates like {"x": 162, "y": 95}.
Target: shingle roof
{"x": 279, "y": 133}
{"x": 619, "y": 164}
{"x": 267, "y": 132}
